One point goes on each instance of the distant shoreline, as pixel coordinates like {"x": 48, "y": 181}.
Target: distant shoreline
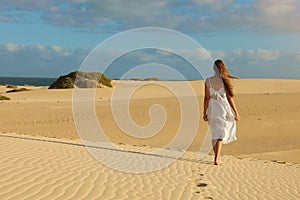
{"x": 26, "y": 81}
{"x": 43, "y": 81}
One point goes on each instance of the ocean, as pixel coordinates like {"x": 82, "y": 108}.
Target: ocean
{"x": 22, "y": 81}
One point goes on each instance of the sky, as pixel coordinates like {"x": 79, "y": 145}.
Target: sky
{"x": 48, "y": 38}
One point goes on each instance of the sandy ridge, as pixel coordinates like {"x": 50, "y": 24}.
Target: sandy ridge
{"x": 43, "y": 168}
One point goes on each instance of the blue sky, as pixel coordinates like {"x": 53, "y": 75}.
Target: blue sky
{"x": 47, "y": 38}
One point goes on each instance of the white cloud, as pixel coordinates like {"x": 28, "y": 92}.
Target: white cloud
{"x": 260, "y": 63}
{"x": 255, "y": 63}
{"x": 27, "y": 5}
{"x": 43, "y": 51}
{"x": 279, "y": 16}
{"x": 249, "y": 56}
{"x": 267, "y": 55}
{"x": 38, "y": 60}
{"x": 51, "y": 61}
{"x": 190, "y": 15}
{"x": 11, "y": 47}
{"x": 213, "y": 5}
{"x": 7, "y": 18}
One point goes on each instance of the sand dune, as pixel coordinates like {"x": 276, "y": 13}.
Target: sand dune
{"x": 43, "y": 168}
{"x": 269, "y": 109}
{"x": 42, "y": 158}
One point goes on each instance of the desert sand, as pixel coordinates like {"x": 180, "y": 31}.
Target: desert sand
{"x": 42, "y": 156}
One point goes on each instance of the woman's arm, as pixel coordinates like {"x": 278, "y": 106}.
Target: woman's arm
{"x": 232, "y": 104}
{"x": 206, "y": 101}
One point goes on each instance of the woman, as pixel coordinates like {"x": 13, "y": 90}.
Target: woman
{"x": 219, "y": 108}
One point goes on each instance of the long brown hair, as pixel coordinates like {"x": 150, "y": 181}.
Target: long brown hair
{"x": 226, "y": 76}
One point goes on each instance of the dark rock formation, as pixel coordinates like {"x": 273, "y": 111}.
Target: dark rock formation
{"x": 81, "y": 80}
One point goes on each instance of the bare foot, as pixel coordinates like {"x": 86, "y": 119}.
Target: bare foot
{"x": 218, "y": 162}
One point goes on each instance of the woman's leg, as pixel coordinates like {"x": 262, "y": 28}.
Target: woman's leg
{"x": 214, "y": 144}
{"x": 218, "y": 152}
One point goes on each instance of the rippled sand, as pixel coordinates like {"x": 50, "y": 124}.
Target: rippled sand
{"x": 43, "y": 158}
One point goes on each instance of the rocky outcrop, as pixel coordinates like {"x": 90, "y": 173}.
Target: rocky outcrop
{"x": 81, "y": 80}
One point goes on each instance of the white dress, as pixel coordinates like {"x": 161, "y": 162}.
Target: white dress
{"x": 222, "y": 124}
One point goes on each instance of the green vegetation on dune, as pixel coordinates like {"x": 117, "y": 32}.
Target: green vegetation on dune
{"x": 11, "y": 86}
{"x": 4, "y": 98}
{"x": 105, "y": 81}
{"x": 17, "y": 90}
{"x": 146, "y": 79}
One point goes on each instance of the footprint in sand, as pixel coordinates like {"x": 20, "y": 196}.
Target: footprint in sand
{"x": 279, "y": 162}
{"x": 201, "y": 185}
